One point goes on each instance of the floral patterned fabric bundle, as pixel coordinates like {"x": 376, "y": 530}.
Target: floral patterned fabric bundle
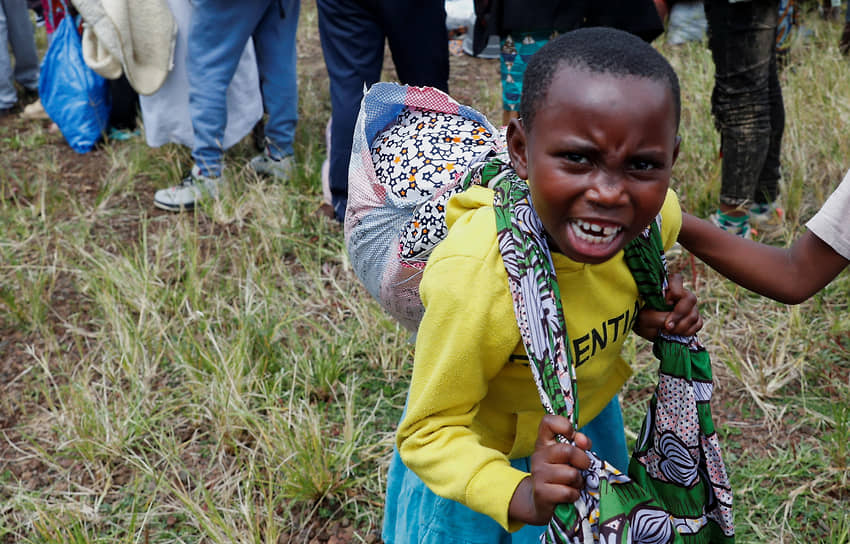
{"x": 412, "y": 147}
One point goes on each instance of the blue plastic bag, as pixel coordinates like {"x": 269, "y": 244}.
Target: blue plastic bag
{"x": 75, "y": 98}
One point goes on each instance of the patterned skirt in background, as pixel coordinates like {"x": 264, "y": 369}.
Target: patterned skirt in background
{"x": 517, "y": 48}
{"x": 54, "y": 11}
{"x": 786, "y": 28}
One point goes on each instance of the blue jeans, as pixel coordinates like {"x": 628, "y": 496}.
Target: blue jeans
{"x": 16, "y": 30}
{"x": 416, "y": 515}
{"x": 217, "y": 36}
{"x": 747, "y": 99}
{"x": 353, "y": 33}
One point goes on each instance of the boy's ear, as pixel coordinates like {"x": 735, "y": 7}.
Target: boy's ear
{"x": 517, "y": 147}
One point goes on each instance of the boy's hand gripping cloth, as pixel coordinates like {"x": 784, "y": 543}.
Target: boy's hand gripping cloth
{"x": 677, "y": 489}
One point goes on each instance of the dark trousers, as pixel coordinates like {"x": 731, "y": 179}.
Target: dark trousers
{"x": 747, "y": 99}
{"x": 352, "y": 34}
{"x": 125, "y": 104}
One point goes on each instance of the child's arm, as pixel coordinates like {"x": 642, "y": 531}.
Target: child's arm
{"x": 789, "y": 275}
{"x": 464, "y": 342}
{"x": 555, "y": 473}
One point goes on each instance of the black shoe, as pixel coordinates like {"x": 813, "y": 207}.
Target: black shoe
{"x": 27, "y": 97}
{"x": 828, "y": 12}
{"x": 6, "y": 112}
{"x": 259, "y": 135}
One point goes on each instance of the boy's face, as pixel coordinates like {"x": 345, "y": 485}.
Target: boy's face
{"x": 598, "y": 159}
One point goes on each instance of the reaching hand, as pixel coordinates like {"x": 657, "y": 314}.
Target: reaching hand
{"x": 555, "y": 472}
{"x": 682, "y": 320}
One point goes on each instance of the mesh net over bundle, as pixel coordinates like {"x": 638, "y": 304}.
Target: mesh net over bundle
{"x": 412, "y": 147}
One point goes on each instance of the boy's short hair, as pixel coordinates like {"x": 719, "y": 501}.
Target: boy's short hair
{"x": 600, "y": 50}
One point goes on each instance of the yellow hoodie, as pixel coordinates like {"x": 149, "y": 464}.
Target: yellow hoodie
{"x": 473, "y": 404}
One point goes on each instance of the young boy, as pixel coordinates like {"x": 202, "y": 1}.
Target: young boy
{"x": 789, "y": 275}
{"x": 596, "y": 141}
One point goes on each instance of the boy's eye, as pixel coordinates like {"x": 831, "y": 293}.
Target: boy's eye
{"x": 644, "y": 165}
{"x": 577, "y": 158}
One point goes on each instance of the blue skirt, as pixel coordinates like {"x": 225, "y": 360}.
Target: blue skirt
{"x": 415, "y": 515}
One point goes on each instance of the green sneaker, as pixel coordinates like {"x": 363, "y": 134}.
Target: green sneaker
{"x": 739, "y": 226}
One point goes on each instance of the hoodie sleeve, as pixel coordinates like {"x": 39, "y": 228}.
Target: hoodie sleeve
{"x": 466, "y": 336}
{"x": 671, "y": 219}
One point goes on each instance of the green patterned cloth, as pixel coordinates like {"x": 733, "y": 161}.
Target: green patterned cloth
{"x": 677, "y": 489}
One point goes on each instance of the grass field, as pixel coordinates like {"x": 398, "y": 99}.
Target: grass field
{"x": 221, "y": 376}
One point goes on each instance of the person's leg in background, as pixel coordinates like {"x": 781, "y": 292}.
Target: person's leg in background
{"x": 515, "y": 48}
{"x": 213, "y": 52}
{"x": 765, "y": 208}
{"x": 274, "y": 43}
{"x": 786, "y": 28}
{"x": 423, "y": 61}
{"x": 16, "y": 30}
{"x": 844, "y": 42}
{"x": 353, "y": 47}
{"x": 830, "y": 10}
{"x": 8, "y": 95}
{"x": 742, "y": 41}
{"x": 125, "y": 109}
{"x": 510, "y": 65}
{"x": 36, "y": 7}
{"x": 22, "y": 39}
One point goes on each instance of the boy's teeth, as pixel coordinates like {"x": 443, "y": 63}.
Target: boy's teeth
{"x": 591, "y": 232}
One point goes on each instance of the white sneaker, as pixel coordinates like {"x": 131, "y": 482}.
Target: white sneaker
{"x": 194, "y": 187}
{"x": 281, "y": 169}
{"x": 766, "y": 214}
{"x": 34, "y": 111}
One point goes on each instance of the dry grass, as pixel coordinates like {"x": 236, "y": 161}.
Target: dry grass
{"x": 222, "y": 376}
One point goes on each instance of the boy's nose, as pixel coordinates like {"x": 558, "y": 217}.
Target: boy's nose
{"x": 607, "y": 191}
